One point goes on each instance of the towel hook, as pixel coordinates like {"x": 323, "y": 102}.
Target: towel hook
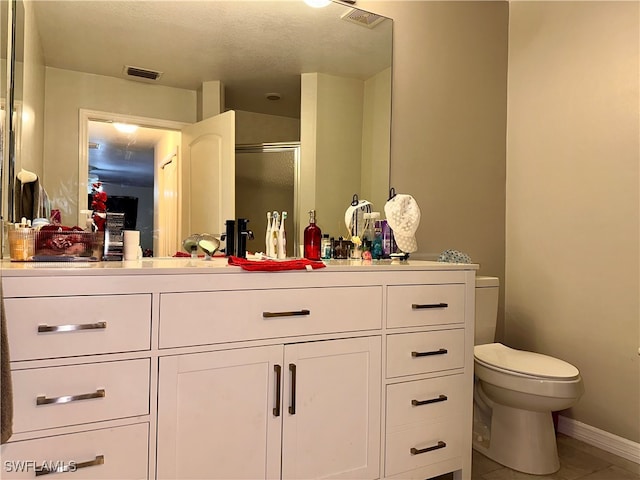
{"x": 354, "y": 201}
{"x": 392, "y": 193}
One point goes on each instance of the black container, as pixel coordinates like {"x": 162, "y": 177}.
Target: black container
{"x": 242, "y": 237}
{"x": 230, "y": 238}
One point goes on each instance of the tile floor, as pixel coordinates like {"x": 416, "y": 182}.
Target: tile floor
{"x": 578, "y": 461}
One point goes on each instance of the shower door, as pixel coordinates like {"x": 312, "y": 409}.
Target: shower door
{"x": 267, "y": 181}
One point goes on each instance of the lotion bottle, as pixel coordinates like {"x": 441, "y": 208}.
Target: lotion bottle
{"x": 312, "y": 238}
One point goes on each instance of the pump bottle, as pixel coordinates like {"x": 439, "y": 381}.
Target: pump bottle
{"x": 312, "y": 238}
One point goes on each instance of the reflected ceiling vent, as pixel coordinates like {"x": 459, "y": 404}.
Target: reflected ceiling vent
{"x": 141, "y": 73}
{"x": 363, "y": 18}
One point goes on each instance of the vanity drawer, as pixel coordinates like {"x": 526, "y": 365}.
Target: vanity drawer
{"x": 197, "y": 318}
{"x": 428, "y": 400}
{"x": 49, "y": 327}
{"x": 85, "y": 393}
{"x": 424, "y": 352}
{"x": 433, "y": 442}
{"x": 416, "y": 305}
{"x": 120, "y": 452}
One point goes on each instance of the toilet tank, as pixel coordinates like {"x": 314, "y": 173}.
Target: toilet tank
{"x": 487, "y": 289}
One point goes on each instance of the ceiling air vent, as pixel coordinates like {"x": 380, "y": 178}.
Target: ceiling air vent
{"x": 363, "y": 18}
{"x": 142, "y": 73}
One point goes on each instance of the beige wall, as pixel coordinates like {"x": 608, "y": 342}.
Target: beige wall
{"x": 572, "y": 251}
{"x": 449, "y": 122}
{"x": 32, "y": 101}
{"x": 330, "y": 159}
{"x": 66, "y": 92}
{"x": 254, "y": 128}
{"x": 376, "y": 154}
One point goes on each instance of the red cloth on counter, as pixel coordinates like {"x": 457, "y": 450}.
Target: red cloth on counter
{"x": 275, "y": 265}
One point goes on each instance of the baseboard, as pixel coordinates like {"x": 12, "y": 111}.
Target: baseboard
{"x": 599, "y": 438}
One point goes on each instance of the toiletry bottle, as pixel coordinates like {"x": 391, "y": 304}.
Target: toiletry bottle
{"x": 282, "y": 239}
{"x": 377, "y": 250}
{"x": 326, "y": 246}
{"x": 267, "y": 236}
{"x": 312, "y": 238}
{"x": 367, "y": 235}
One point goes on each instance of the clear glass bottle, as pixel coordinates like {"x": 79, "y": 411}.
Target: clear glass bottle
{"x": 312, "y": 238}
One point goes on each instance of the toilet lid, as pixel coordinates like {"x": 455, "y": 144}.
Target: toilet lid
{"x": 527, "y": 363}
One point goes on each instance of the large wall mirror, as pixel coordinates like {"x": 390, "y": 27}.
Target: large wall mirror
{"x": 277, "y": 73}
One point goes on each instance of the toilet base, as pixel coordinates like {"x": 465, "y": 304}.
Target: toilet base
{"x": 522, "y": 440}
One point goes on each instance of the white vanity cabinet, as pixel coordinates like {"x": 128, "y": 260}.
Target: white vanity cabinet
{"x": 428, "y": 379}
{"x": 81, "y": 373}
{"x": 302, "y": 410}
{"x": 182, "y": 369}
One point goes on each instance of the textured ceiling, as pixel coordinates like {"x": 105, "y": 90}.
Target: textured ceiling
{"x": 253, "y": 47}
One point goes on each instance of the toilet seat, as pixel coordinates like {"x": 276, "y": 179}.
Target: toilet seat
{"x": 499, "y": 357}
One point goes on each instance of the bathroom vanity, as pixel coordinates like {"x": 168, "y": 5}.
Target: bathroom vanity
{"x": 185, "y": 369}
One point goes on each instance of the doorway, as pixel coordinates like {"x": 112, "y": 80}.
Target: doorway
{"x": 135, "y": 160}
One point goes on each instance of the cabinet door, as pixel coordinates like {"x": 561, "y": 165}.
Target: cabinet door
{"x": 331, "y": 424}
{"x": 216, "y": 417}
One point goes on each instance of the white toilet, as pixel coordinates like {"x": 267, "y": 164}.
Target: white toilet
{"x": 515, "y": 393}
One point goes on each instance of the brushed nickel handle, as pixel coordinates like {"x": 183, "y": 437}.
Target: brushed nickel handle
{"x": 43, "y": 400}
{"x": 420, "y": 306}
{"x": 276, "y": 409}
{"x": 418, "y": 451}
{"x": 70, "y": 467}
{"x": 439, "y": 398}
{"x": 295, "y": 313}
{"x": 71, "y": 328}
{"x": 292, "y": 406}
{"x": 440, "y": 351}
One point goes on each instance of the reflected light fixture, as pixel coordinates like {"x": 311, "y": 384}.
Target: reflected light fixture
{"x": 125, "y": 127}
{"x": 317, "y": 3}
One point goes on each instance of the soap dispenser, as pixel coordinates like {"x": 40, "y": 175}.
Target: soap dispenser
{"x": 312, "y": 238}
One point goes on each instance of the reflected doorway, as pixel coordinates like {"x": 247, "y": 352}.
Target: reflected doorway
{"x": 137, "y": 168}
{"x": 267, "y": 178}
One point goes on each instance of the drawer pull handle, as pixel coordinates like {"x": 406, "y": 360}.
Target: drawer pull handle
{"x": 292, "y": 406}
{"x": 418, "y": 451}
{"x": 71, "y": 328}
{"x": 44, "y": 470}
{"x": 43, "y": 400}
{"x": 421, "y": 306}
{"x": 439, "y": 398}
{"x": 441, "y": 351}
{"x": 295, "y": 313}
{"x": 276, "y": 409}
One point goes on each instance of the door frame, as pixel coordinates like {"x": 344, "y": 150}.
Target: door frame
{"x": 283, "y": 147}
{"x": 86, "y": 115}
